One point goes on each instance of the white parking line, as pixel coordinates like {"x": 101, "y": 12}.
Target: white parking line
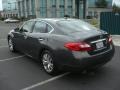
{"x": 3, "y": 60}
{"x": 46, "y": 81}
{"x": 3, "y": 46}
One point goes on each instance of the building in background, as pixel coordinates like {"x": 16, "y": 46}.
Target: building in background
{"x": 51, "y": 8}
{"x": 60, "y": 8}
{"x": 26, "y": 8}
{"x": 10, "y": 8}
{"x": 94, "y": 11}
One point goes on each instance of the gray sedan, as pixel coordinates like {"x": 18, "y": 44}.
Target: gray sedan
{"x": 62, "y": 44}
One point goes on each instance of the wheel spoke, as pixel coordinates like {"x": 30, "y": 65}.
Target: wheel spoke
{"x": 45, "y": 62}
{"x": 50, "y": 66}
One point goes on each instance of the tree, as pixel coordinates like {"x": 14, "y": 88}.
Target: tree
{"x": 101, "y": 3}
{"x": 116, "y": 8}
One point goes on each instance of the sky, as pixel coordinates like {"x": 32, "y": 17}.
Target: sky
{"x": 117, "y": 2}
{"x": 114, "y": 1}
{"x": 0, "y": 4}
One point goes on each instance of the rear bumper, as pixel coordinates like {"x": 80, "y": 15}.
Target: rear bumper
{"x": 76, "y": 64}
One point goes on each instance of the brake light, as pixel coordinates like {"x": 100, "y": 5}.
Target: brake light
{"x": 110, "y": 39}
{"x": 80, "y": 46}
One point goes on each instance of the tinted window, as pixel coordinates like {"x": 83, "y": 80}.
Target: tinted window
{"x": 27, "y": 27}
{"x": 71, "y": 26}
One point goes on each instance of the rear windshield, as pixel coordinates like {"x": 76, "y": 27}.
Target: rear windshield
{"x": 72, "y": 26}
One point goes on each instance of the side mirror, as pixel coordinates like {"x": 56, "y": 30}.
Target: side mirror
{"x": 16, "y": 29}
{"x": 22, "y": 30}
{"x": 25, "y": 30}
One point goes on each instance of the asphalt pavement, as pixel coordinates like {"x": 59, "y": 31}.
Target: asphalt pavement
{"x": 19, "y": 72}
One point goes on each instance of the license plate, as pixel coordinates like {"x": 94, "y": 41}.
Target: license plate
{"x": 99, "y": 45}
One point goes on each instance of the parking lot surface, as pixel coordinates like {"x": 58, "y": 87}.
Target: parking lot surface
{"x": 19, "y": 72}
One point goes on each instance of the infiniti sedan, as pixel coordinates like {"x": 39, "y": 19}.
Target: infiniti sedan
{"x": 62, "y": 44}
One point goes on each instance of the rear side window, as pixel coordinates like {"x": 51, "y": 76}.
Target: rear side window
{"x": 28, "y": 26}
{"x": 41, "y": 27}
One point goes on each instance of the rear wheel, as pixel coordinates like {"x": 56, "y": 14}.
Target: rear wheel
{"x": 48, "y": 63}
{"x": 11, "y": 45}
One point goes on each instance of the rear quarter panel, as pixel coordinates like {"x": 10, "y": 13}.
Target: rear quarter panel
{"x": 61, "y": 54}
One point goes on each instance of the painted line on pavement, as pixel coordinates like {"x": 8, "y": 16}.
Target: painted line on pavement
{"x": 9, "y": 59}
{"x": 46, "y": 81}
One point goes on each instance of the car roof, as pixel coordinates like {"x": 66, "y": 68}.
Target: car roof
{"x": 52, "y": 20}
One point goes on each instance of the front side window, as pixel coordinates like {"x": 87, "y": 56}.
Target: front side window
{"x": 27, "y": 27}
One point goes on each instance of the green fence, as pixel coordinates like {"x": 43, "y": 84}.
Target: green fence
{"x": 110, "y": 22}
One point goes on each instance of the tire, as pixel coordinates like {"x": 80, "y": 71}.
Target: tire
{"x": 48, "y": 63}
{"x": 11, "y": 45}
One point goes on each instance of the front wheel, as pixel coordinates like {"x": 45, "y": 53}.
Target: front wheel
{"x": 11, "y": 45}
{"x": 48, "y": 63}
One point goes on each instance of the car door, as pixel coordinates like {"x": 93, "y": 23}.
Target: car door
{"x": 26, "y": 31}
{"x": 18, "y": 39}
{"x": 37, "y": 38}
{"x": 19, "y": 36}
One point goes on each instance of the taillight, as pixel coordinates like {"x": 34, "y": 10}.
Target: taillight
{"x": 78, "y": 46}
{"x": 110, "y": 39}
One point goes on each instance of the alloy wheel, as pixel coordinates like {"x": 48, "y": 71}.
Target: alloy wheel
{"x": 10, "y": 43}
{"x": 47, "y": 62}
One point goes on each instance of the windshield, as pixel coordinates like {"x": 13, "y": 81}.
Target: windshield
{"x": 72, "y": 26}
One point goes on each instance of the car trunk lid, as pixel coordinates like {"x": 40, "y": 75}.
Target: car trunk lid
{"x": 96, "y": 39}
